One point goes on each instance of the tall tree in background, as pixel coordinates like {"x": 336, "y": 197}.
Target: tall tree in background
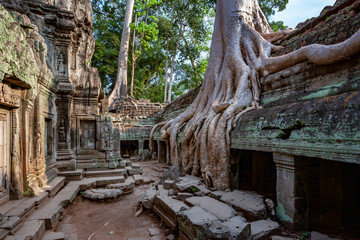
{"x": 151, "y": 73}
{"x": 120, "y": 89}
{"x": 145, "y": 29}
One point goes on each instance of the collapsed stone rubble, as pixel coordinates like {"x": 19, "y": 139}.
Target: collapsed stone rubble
{"x": 192, "y": 211}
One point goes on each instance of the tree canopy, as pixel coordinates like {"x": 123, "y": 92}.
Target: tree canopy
{"x": 159, "y": 36}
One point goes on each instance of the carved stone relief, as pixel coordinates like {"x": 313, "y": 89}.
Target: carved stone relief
{"x": 9, "y": 96}
{"x": 61, "y": 62}
{"x": 62, "y": 130}
{"x": 106, "y": 138}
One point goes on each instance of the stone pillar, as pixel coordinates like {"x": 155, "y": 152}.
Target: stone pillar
{"x": 168, "y": 160}
{"x": 292, "y": 202}
{"x": 65, "y": 158}
{"x": 158, "y": 150}
{"x": 141, "y": 147}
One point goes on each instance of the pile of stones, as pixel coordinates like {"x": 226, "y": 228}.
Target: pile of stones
{"x": 115, "y": 190}
{"x": 193, "y": 211}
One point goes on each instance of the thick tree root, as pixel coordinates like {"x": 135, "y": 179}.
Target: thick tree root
{"x": 230, "y": 89}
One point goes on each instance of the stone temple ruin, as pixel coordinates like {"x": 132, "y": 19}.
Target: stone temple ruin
{"x": 298, "y": 156}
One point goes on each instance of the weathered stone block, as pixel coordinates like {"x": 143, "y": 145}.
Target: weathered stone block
{"x": 168, "y": 208}
{"x": 183, "y": 196}
{"x": 263, "y": 229}
{"x": 219, "y": 209}
{"x": 251, "y": 204}
{"x": 168, "y": 184}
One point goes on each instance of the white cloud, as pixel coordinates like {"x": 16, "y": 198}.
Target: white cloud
{"x": 299, "y": 10}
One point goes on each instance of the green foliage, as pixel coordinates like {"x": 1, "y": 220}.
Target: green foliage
{"x": 158, "y": 23}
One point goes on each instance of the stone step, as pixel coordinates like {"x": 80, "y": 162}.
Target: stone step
{"x": 9, "y": 205}
{"x": 76, "y": 175}
{"x": 10, "y": 224}
{"x": 104, "y": 181}
{"x": 41, "y": 199}
{"x": 54, "y": 186}
{"x": 105, "y": 173}
{"x": 127, "y": 186}
{"x": 23, "y": 209}
{"x": 32, "y": 229}
{"x": 50, "y": 235}
{"x": 51, "y": 211}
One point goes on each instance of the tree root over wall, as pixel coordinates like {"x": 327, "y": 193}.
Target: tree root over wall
{"x": 240, "y": 53}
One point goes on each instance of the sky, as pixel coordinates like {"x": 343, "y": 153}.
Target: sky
{"x": 299, "y": 10}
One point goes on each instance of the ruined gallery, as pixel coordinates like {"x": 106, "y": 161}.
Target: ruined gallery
{"x": 272, "y": 153}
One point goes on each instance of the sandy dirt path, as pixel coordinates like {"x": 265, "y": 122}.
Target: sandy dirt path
{"x": 112, "y": 220}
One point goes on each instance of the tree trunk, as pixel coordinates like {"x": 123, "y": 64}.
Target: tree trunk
{"x": 173, "y": 62}
{"x": 166, "y": 66}
{"x": 133, "y": 62}
{"x": 231, "y": 87}
{"x": 120, "y": 89}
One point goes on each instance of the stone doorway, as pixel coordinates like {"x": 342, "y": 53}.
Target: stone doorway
{"x": 253, "y": 171}
{"x": 4, "y": 155}
{"x": 87, "y": 135}
{"x": 129, "y": 148}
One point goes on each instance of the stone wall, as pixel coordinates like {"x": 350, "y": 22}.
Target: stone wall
{"x": 48, "y": 87}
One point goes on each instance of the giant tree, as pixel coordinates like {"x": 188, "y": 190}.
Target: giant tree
{"x": 240, "y": 53}
{"x": 120, "y": 89}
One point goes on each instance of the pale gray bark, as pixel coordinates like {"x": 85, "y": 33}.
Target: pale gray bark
{"x": 173, "y": 61}
{"x": 120, "y": 89}
{"x": 166, "y": 67}
{"x": 239, "y": 54}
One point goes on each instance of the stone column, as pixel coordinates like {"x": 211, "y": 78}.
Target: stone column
{"x": 141, "y": 147}
{"x": 168, "y": 160}
{"x": 292, "y": 202}
{"x": 158, "y": 150}
{"x": 65, "y": 158}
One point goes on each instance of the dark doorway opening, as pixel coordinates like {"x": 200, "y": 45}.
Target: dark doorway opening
{"x": 334, "y": 197}
{"x": 162, "y": 151}
{"x": 253, "y": 171}
{"x": 129, "y": 148}
{"x": 146, "y": 144}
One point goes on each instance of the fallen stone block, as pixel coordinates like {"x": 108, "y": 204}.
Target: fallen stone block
{"x": 154, "y": 231}
{"x": 194, "y": 223}
{"x": 187, "y": 182}
{"x": 50, "y": 235}
{"x": 138, "y": 179}
{"x": 263, "y": 229}
{"x": 102, "y": 194}
{"x": 219, "y": 209}
{"x": 172, "y": 173}
{"x": 251, "y": 204}
{"x": 168, "y": 184}
{"x": 147, "y": 180}
{"x": 217, "y": 194}
{"x": 182, "y": 196}
{"x": 168, "y": 208}
{"x": 320, "y": 236}
{"x": 148, "y": 197}
{"x": 234, "y": 228}
{"x": 282, "y": 238}
{"x": 135, "y": 166}
{"x": 133, "y": 171}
